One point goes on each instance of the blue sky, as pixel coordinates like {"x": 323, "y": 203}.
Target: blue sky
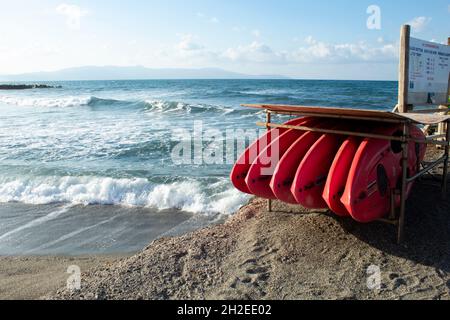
{"x": 298, "y": 38}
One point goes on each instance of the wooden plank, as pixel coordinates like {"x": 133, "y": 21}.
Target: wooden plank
{"x": 446, "y": 110}
{"x": 357, "y": 114}
{"x": 442, "y": 128}
{"x": 430, "y": 119}
{"x": 448, "y": 91}
{"x": 334, "y": 116}
{"x": 446, "y": 162}
{"x": 350, "y": 133}
{"x": 330, "y": 112}
{"x": 331, "y": 131}
{"x": 403, "y": 196}
{"x": 403, "y": 75}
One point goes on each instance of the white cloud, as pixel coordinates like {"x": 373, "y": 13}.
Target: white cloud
{"x": 256, "y": 33}
{"x": 310, "y": 40}
{"x": 73, "y": 14}
{"x": 187, "y": 43}
{"x": 318, "y": 51}
{"x": 313, "y": 52}
{"x": 419, "y": 24}
{"x": 204, "y": 17}
{"x": 239, "y": 29}
{"x": 310, "y": 52}
{"x": 255, "y": 52}
{"x": 188, "y": 52}
{"x": 214, "y": 20}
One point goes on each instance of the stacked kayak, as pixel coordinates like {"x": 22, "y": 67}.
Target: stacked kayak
{"x": 351, "y": 176}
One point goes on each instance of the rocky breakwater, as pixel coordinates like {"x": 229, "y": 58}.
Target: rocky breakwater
{"x": 26, "y": 86}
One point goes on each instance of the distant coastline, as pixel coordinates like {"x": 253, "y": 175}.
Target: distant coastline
{"x": 134, "y": 73}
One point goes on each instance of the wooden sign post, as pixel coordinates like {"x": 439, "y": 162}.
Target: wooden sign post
{"x": 403, "y": 81}
{"x": 442, "y": 127}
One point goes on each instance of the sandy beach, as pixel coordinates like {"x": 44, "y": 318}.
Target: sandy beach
{"x": 30, "y": 278}
{"x": 291, "y": 253}
{"x": 285, "y": 255}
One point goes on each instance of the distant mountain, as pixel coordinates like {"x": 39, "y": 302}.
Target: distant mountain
{"x": 131, "y": 73}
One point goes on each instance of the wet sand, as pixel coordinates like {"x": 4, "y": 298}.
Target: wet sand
{"x": 40, "y": 230}
{"x": 291, "y": 253}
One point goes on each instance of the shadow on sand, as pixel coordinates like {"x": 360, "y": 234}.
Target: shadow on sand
{"x": 427, "y": 239}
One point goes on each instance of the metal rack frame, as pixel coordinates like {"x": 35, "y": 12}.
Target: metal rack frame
{"x": 396, "y": 218}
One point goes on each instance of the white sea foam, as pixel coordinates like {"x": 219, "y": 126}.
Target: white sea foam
{"x": 50, "y": 102}
{"x": 156, "y": 106}
{"x": 163, "y": 107}
{"x": 267, "y": 92}
{"x": 167, "y": 107}
{"x": 190, "y": 196}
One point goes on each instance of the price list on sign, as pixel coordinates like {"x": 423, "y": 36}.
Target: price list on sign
{"x": 428, "y": 72}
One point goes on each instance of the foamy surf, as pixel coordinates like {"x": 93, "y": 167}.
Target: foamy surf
{"x": 54, "y": 102}
{"x": 147, "y": 105}
{"x": 169, "y": 107}
{"x": 189, "y": 196}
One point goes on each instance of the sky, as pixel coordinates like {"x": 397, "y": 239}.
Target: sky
{"x": 320, "y": 39}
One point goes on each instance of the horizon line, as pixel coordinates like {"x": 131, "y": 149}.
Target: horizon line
{"x": 202, "y": 79}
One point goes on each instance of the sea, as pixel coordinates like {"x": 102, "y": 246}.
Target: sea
{"x": 94, "y": 167}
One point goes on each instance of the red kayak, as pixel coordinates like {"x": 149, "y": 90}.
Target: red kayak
{"x": 262, "y": 170}
{"x": 312, "y": 174}
{"x": 242, "y": 166}
{"x": 375, "y": 171}
{"x": 338, "y": 175}
{"x": 284, "y": 175}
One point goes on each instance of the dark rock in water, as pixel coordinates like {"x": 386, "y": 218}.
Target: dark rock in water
{"x": 26, "y": 86}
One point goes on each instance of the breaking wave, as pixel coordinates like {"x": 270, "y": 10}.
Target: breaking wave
{"x": 157, "y": 106}
{"x": 181, "y": 107}
{"x": 189, "y": 195}
{"x": 62, "y": 102}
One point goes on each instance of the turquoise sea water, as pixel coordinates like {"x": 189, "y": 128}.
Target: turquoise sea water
{"x": 106, "y": 147}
